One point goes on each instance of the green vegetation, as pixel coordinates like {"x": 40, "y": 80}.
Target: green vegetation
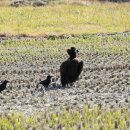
{"x": 95, "y": 119}
{"x": 24, "y": 50}
{"x": 65, "y": 19}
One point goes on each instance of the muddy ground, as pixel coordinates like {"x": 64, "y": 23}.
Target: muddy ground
{"x": 105, "y": 81}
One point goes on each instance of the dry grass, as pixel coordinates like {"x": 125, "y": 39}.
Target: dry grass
{"x": 4, "y": 3}
{"x": 65, "y": 19}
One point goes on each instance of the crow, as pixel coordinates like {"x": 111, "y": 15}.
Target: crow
{"x": 71, "y": 68}
{"x": 3, "y": 85}
{"x": 46, "y": 82}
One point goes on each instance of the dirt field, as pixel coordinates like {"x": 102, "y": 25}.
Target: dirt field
{"x": 105, "y": 79}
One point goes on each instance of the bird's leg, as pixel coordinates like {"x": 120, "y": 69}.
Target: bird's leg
{"x": 70, "y": 85}
{"x": 64, "y": 85}
{"x": 45, "y": 88}
{"x": 74, "y": 84}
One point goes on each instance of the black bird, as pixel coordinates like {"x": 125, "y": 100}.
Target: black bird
{"x": 3, "y": 85}
{"x": 46, "y": 82}
{"x": 71, "y": 68}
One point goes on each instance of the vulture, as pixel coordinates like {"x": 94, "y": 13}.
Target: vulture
{"x": 71, "y": 68}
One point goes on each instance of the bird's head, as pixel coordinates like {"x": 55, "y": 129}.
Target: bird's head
{"x": 72, "y": 52}
{"x": 6, "y": 81}
{"x": 49, "y": 76}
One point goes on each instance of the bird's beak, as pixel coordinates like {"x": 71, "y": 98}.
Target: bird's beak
{"x": 77, "y": 51}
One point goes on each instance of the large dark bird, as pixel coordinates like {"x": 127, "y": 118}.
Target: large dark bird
{"x": 3, "y": 85}
{"x": 46, "y": 82}
{"x": 71, "y": 68}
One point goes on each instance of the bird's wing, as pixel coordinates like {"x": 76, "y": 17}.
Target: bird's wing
{"x": 63, "y": 68}
{"x": 64, "y": 72}
{"x": 80, "y": 67}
